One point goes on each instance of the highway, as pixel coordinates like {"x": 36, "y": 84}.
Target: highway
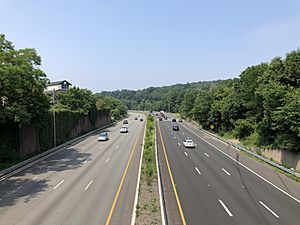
{"x": 215, "y": 184}
{"x": 90, "y": 182}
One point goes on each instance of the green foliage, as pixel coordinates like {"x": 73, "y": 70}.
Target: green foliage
{"x": 75, "y": 99}
{"x": 21, "y": 84}
{"x": 243, "y": 128}
{"x": 168, "y": 98}
{"x": 261, "y": 107}
{"x": 149, "y": 160}
{"x": 117, "y": 107}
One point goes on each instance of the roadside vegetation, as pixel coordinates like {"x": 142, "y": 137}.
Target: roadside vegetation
{"x": 23, "y": 103}
{"x": 260, "y": 107}
{"x": 148, "y": 209}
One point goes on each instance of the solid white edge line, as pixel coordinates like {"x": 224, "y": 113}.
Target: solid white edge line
{"x": 225, "y": 171}
{"x": 185, "y": 153}
{"x": 225, "y": 207}
{"x": 206, "y": 154}
{"x": 58, "y": 184}
{"x": 198, "y": 171}
{"x": 271, "y": 211}
{"x": 264, "y": 179}
{"x": 107, "y": 160}
{"x": 162, "y": 209}
{"x": 133, "y": 217}
{"x": 89, "y": 185}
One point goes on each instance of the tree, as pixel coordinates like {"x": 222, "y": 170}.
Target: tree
{"x": 76, "y": 99}
{"x": 21, "y": 84}
{"x": 202, "y": 107}
{"x": 188, "y": 103}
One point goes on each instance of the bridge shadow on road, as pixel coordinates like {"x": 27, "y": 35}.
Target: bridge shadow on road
{"x": 32, "y": 182}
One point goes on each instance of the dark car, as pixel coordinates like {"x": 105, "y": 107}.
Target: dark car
{"x": 141, "y": 119}
{"x": 173, "y": 120}
{"x": 125, "y": 121}
{"x": 176, "y": 128}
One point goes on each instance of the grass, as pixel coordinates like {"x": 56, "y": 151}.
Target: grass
{"x": 149, "y": 163}
{"x": 148, "y": 203}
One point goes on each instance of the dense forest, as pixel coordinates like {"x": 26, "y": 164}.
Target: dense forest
{"x": 168, "y": 98}
{"x": 260, "y": 107}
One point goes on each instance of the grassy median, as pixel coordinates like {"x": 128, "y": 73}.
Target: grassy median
{"x": 148, "y": 209}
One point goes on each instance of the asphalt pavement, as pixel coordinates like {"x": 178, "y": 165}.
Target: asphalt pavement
{"x": 217, "y": 185}
{"x": 90, "y": 182}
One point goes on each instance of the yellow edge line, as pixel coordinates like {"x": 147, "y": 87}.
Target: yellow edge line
{"x": 122, "y": 181}
{"x": 171, "y": 177}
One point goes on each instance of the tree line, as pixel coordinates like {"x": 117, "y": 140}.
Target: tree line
{"x": 23, "y": 101}
{"x": 22, "y": 84}
{"x": 260, "y": 107}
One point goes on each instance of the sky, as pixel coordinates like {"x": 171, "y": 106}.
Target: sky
{"x": 134, "y": 44}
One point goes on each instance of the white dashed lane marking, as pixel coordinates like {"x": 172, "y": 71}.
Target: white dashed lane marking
{"x": 58, "y": 184}
{"x": 225, "y": 171}
{"x": 186, "y": 154}
{"x": 89, "y": 185}
{"x": 198, "y": 171}
{"x": 225, "y": 207}
{"x": 206, "y": 154}
{"x": 271, "y": 211}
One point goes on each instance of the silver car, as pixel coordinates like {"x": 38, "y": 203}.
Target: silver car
{"x": 103, "y": 136}
{"x": 124, "y": 129}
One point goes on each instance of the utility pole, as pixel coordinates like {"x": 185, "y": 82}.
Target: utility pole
{"x": 54, "y": 120}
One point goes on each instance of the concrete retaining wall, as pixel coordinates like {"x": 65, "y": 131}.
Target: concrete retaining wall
{"x": 283, "y": 157}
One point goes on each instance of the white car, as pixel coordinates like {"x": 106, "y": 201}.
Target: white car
{"x": 188, "y": 144}
{"x": 124, "y": 129}
{"x": 103, "y": 137}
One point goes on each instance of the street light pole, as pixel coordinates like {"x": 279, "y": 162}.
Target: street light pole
{"x": 54, "y": 120}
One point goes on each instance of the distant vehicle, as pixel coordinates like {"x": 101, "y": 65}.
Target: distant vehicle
{"x": 141, "y": 119}
{"x": 176, "y": 128}
{"x": 135, "y": 118}
{"x": 124, "y": 129}
{"x": 162, "y": 114}
{"x": 159, "y": 118}
{"x": 179, "y": 120}
{"x": 174, "y": 120}
{"x": 188, "y": 144}
{"x": 103, "y": 137}
{"x": 125, "y": 121}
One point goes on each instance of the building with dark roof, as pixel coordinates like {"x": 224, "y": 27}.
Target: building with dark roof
{"x": 57, "y": 86}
